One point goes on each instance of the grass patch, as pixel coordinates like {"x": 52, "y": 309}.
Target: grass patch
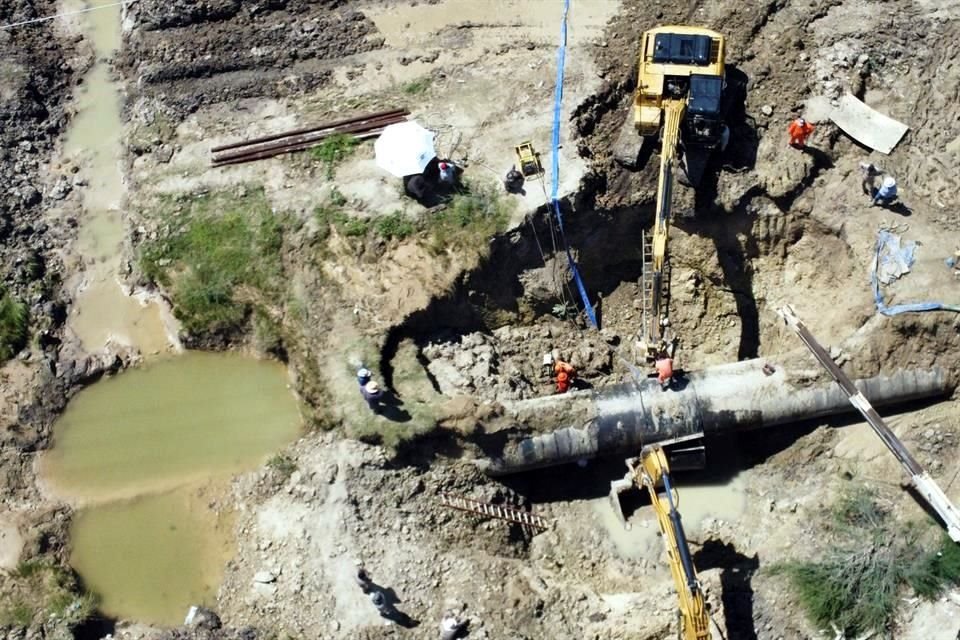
{"x": 466, "y": 221}
{"x": 396, "y": 225}
{"x": 857, "y": 584}
{"x": 282, "y": 464}
{"x": 416, "y": 87}
{"x": 226, "y": 244}
{"x": 334, "y": 150}
{"x": 329, "y": 216}
{"x": 16, "y": 614}
{"x": 45, "y": 589}
{"x": 14, "y": 319}
{"x": 473, "y": 215}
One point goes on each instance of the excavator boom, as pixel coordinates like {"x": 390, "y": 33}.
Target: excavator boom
{"x": 652, "y": 471}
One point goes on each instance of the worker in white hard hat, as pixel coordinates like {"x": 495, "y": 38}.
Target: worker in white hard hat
{"x": 363, "y": 376}
{"x": 372, "y": 393}
{"x": 887, "y": 193}
{"x": 451, "y": 626}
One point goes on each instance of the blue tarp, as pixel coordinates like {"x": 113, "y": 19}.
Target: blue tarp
{"x": 894, "y": 259}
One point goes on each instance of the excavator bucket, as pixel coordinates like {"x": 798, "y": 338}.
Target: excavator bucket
{"x": 684, "y": 454}
{"x": 628, "y": 482}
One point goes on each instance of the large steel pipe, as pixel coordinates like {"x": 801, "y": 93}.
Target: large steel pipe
{"x": 622, "y": 418}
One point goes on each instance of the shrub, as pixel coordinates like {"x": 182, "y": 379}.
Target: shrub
{"x": 416, "y": 87}
{"x": 856, "y": 585}
{"x": 14, "y": 319}
{"x": 470, "y": 217}
{"x": 282, "y": 464}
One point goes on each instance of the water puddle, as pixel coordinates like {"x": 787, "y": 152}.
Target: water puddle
{"x": 151, "y": 558}
{"x": 697, "y": 503}
{"x": 102, "y": 310}
{"x": 145, "y": 451}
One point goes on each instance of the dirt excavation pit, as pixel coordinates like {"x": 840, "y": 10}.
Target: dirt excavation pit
{"x": 325, "y": 265}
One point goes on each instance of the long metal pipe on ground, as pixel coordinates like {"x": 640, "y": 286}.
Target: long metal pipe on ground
{"x": 739, "y": 396}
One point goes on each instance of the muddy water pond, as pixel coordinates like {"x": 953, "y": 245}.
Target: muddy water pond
{"x": 142, "y": 453}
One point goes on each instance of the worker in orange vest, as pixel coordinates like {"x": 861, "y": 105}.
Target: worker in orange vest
{"x": 664, "y": 365}
{"x": 565, "y": 374}
{"x": 799, "y": 131}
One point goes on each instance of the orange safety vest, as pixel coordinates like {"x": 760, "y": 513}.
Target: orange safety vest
{"x": 799, "y": 131}
{"x": 664, "y": 369}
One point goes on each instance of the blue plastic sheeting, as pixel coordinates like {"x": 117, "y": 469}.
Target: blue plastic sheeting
{"x": 889, "y": 253}
{"x": 555, "y": 186}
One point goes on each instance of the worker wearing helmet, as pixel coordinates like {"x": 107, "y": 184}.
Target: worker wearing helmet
{"x": 372, "y": 393}
{"x": 565, "y": 373}
{"x": 886, "y": 194}
{"x": 664, "y": 366}
{"x": 363, "y": 376}
{"x": 799, "y": 131}
{"x": 447, "y": 173}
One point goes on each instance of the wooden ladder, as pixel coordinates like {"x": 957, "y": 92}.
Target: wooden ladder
{"x": 499, "y": 512}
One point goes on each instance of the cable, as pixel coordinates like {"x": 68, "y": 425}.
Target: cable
{"x": 64, "y": 14}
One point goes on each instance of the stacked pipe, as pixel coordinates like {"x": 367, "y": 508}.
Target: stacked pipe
{"x": 360, "y": 127}
{"x": 743, "y": 395}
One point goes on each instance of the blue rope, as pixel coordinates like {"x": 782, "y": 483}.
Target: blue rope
{"x": 555, "y": 186}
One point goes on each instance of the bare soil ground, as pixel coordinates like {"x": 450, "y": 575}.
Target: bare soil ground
{"x": 778, "y": 226}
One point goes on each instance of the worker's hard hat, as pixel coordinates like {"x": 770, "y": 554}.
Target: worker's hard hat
{"x": 372, "y": 386}
{"x": 363, "y": 373}
{"x": 801, "y": 121}
{"x": 889, "y": 182}
{"x": 547, "y": 359}
{"x": 443, "y": 165}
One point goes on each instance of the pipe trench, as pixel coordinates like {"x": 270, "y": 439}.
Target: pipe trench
{"x": 731, "y": 397}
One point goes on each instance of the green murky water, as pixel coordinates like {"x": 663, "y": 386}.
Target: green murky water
{"x": 146, "y": 450}
{"x": 151, "y": 558}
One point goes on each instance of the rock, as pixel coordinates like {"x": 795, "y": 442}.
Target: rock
{"x": 61, "y": 189}
{"x": 163, "y": 153}
{"x": 264, "y": 577}
{"x": 766, "y": 110}
{"x": 202, "y": 618}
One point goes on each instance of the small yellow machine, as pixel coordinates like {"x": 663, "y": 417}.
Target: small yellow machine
{"x": 652, "y": 471}
{"x": 528, "y": 160}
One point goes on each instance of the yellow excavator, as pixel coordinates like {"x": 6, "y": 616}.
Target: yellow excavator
{"x": 652, "y": 471}
{"x": 680, "y": 100}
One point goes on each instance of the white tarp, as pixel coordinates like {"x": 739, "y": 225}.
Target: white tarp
{"x": 866, "y": 126}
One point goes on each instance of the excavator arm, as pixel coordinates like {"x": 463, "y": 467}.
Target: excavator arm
{"x": 652, "y": 471}
{"x": 655, "y": 282}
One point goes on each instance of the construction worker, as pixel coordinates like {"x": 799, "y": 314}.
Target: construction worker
{"x": 363, "y": 376}
{"x": 372, "y": 393}
{"x": 513, "y": 183}
{"x": 363, "y": 580}
{"x": 379, "y": 600}
{"x": 451, "y": 626}
{"x": 664, "y": 366}
{"x": 799, "y": 131}
{"x": 886, "y": 194}
{"x": 447, "y": 173}
{"x": 565, "y": 374}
